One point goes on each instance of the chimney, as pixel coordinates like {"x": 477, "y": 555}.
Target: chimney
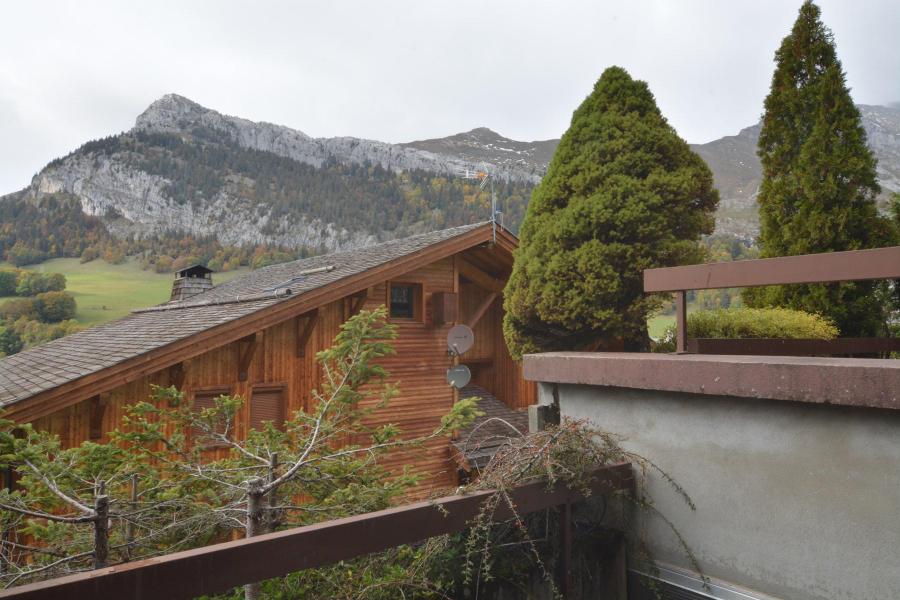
{"x": 191, "y": 281}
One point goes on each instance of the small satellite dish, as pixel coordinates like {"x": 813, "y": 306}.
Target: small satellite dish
{"x": 460, "y": 338}
{"x": 458, "y": 376}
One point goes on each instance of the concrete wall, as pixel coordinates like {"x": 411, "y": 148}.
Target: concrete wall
{"x": 797, "y": 501}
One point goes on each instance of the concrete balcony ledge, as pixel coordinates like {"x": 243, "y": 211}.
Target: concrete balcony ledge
{"x": 841, "y": 381}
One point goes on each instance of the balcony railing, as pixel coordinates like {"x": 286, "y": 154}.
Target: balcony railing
{"x": 221, "y": 567}
{"x": 830, "y": 267}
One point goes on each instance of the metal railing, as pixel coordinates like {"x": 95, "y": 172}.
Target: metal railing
{"x": 219, "y": 568}
{"x": 829, "y": 267}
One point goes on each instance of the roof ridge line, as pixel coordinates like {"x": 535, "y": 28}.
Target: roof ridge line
{"x": 280, "y": 293}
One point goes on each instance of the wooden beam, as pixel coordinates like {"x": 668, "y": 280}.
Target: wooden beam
{"x": 97, "y": 408}
{"x": 828, "y": 267}
{"x": 177, "y": 375}
{"x": 480, "y": 278}
{"x": 305, "y": 325}
{"x": 246, "y": 349}
{"x": 482, "y": 308}
{"x": 357, "y": 302}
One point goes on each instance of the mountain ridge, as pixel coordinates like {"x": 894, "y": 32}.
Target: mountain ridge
{"x": 184, "y": 167}
{"x": 174, "y": 113}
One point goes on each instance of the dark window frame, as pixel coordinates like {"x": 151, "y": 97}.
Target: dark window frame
{"x": 417, "y": 303}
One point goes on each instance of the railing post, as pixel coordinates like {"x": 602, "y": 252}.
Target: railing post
{"x": 681, "y": 322}
{"x": 101, "y": 528}
{"x": 565, "y": 551}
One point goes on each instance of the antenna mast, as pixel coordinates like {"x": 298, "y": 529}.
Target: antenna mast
{"x": 482, "y": 175}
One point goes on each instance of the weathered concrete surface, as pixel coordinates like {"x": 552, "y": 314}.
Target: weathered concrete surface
{"x": 848, "y": 381}
{"x": 799, "y": 501}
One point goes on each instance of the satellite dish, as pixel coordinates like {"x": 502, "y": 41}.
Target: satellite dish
{"x": 460, "y": 339}
{"x": 458, "y": 376}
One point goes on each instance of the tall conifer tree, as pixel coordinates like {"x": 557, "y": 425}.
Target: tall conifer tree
{"x": 819, "y": 185}
{"x": 623, "y": 193}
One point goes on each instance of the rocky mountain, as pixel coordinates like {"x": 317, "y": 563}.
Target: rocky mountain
{"x": 190, "y": 170}
{"x": 175, "y": 114}
{"x": 737, "y": 170}
{"x": 482, "y": 145}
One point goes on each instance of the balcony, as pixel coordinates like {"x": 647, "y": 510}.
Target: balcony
{"x": 793, "y": 461}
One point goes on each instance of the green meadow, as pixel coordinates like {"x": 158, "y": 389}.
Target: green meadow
{"x": 657, "y": 325}
{"x": 105, "y": 292}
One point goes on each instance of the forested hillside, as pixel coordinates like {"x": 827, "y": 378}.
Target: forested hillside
{"x": 367, "y": 198}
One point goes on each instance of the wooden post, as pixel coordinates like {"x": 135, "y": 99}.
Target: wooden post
{"x": 246, "y": 350}
{"x": 97, "y": 407}
{"x": 681, "y": 322}
{"x": 565, "y": 551}
{"x": 176, "y": 375}
{"x": 253, "y": 527}
{"x": 305, "y": 326}
{"x": 272, "y": 519}
{"x": 101, "y": 528}
{"x": 129, "y": 524}
{"x": 357, "y": 302}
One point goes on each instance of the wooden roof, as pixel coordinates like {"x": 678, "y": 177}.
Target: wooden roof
{"x": 44, "y": 379}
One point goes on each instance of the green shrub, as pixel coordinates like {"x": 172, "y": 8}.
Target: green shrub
{"x": 10, "y": 342}
{"x": 13, "y": 310}
{"x": 53, "y": 307}
{"x": 21, "y": 254}
{"x": 751, "y": 323}
{"x": 8, "y": 282}
{"x": 32, "y": 283}
{"x": 34, "y": 333}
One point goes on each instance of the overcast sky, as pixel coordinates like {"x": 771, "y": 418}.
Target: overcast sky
{"x": 403, "y": 70}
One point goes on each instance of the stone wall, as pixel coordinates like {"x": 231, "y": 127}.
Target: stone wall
{"x": 794, "y": 500}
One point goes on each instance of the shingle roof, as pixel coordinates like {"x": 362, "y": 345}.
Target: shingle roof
{"x": 64, "y": 360}
{"x": 479, "y": 441}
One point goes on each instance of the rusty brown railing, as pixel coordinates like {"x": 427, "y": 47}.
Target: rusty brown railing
{"x": 829, "y": 267}
{"x": 221, "y": 567}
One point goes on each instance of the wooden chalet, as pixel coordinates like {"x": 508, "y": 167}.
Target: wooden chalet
{"x": 257, "y": 335}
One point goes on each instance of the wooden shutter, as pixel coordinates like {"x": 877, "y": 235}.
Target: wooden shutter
{"x": 206, "y": 399}
{"x": 267, "y": 404}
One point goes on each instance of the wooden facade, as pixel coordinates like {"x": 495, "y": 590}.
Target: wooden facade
{"x": 274, "y": 368}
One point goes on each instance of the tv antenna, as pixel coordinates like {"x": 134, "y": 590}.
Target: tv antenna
{"x": 482, "y": 174}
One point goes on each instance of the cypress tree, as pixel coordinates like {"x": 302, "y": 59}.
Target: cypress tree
{"x": 819, "y": 187}
{"x": 623, "y": 193}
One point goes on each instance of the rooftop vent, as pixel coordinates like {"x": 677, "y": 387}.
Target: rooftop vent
{"x": 191, "y": 281}
{"x": 301, "y": 276}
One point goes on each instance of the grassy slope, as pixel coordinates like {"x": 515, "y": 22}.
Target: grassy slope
{"x": 105, "y": 292}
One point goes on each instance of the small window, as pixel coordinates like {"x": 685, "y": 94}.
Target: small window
{"x": 405, "y": 300}
{"x": 207, "y": 399}
{"x": 267, "y": 404}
